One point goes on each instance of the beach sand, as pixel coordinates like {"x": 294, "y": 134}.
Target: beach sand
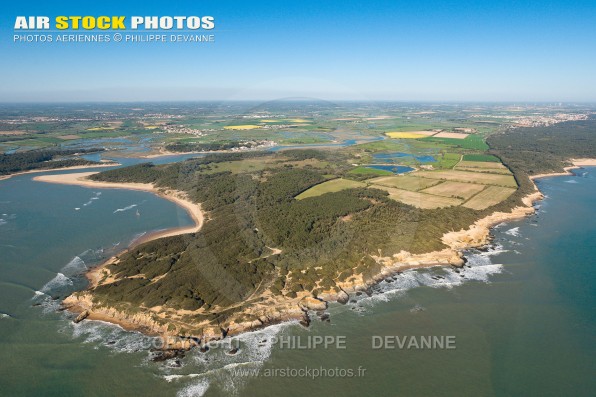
{"x": 180, "y": 198}
{"x": 577, "y": 163}
{"x": 74, "y": 167}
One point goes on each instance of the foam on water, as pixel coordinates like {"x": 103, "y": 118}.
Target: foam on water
{"x": 64, "y": 282}
{"x": 125, "y": 208}
{"x": 7, "y": 217}
{"x": 513, "y": 232}
{"x": 74, "y": 267}
{"x": 109, "y": 335}
{"x": 92, "y": 199}
{"x": 216, "y": 365}
{"x": 58, "y": 282}
{"x": 477, "y": 268}
{"x": 570, "y": 181}
{"x": 195, "y": 390}
{"x": 136, "y": 237}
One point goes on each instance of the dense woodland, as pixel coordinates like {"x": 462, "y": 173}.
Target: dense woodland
{"x": 42, "y": 159}
{"x": 542, "y": 150}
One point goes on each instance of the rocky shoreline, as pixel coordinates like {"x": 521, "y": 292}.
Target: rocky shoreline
{"x": 277, "y": 309}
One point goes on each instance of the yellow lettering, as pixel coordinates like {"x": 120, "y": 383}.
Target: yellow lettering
{"x": 75, "y": 22}
{"x": 103, "y": 23}
{"x": 61, "y": 22}
{"x": 118, "y": 23}
{"x": 88, "y": 23}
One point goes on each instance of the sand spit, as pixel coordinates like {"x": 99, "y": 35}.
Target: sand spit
{"x": 104, "y": 163}
{"x": 180, "y": 198}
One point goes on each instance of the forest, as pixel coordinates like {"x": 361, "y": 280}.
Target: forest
{"x": 540, "y": 150}
{"x": 42, "y": 159}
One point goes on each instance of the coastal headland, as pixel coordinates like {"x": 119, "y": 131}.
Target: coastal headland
{"x": 270, "y": 308}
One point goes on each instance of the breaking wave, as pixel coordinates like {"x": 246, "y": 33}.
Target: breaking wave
{"x": 513, "y": 232}
{"x": 215, "y": 367}
{"x": 195, "y": 390}
{"x": 6, "y": 217}
{"x": 66, "y": 280}
{"x": 58, "y": 282}
{"x": 92, "y": 199}
{"x": 125, "y": 208}
{"x": 74, "y": 267}
{"x": 478, "y": 267}
{"x": 110, "y": 336}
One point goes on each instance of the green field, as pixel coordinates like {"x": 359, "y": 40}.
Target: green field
{"x": 473, "y": 142}
{"x": 447, "y": 160}
{"x": 369, "y": 171}
{"x": 481, "y": 157}
{"x": 334, "y": 185}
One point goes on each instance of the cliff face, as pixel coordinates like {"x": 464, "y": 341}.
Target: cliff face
{"x": 267, "y": 308}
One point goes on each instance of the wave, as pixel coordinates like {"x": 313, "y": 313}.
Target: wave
{"x": 7, "y": 217}
{"x": 5, "y": 315}
{"x": 194, "y": 390}
{"x": 75, "y": 267}
{"x": 58, "y": 282}
{"x": 92, "y": 199}
{"x": 125, "y": 208}
{"x": 513, "y": 232}
{"x": 571, "y": 181}
{"x": 111, "y": 336}
{"x": 478, "y": 267}
{"x": 215, "y": 367}
{"x": 136, "y": 237}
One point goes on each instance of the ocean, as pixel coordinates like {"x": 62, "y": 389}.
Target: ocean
{"x": 520, "y": 314}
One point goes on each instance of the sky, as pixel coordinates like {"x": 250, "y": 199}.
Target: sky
{"x": 333, "y": 50}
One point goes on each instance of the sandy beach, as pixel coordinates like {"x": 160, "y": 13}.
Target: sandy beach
{"x": 584, "y": 162}
{"x": 577, "y": 163}
{"x": 74, "y": 167}
{"x": 180, "y": 198}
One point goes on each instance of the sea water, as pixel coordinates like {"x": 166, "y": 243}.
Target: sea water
{"x": 521, "y": 313}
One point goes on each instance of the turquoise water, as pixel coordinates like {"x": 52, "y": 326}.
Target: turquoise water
{"x": 397, "y": 156}
{"x": 347, "y": 142}
{"x": 396, "y": 169}
{"x": 522, "y": 313}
